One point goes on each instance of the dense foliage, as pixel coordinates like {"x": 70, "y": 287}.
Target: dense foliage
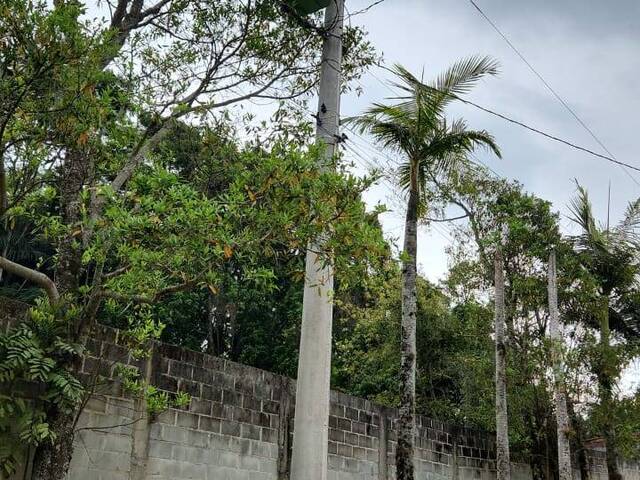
{"x": 134, "y": 193}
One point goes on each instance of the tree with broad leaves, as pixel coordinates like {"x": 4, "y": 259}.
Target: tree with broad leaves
{"x": 88, "y": 103}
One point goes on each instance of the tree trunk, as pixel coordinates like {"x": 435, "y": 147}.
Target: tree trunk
{"x": 71, "y": 183}
{"x": 578, "y": 444}
{"x": 562, "y": 416}
{"x": 502, "y": 428}
{"x": 605, "y": 387}
{"x": 52, "y": 460}
{"x": 406, "y": 421}
{"x": 4, "y": 198}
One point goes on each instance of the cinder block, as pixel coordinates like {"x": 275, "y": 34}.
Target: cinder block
{"x": 269, "y": 467}
{"x": 358, "y": 427}
{"x": 173, "y": 434}
{"x": 117, "y": 443}
{"x": 250, "y": 463}
{"x": 269, "y": 406}
{"x": 197, "y": 438}
{"x": 168, "y": 417}
{"x": 230, "y": 428}
{"x": 209, "y": 424}
{"x": 241, "y": 446}
{"x": 269, "y": 435}
{"x": 192, "y": 471}
{"x": 219, "y": 442}
{"x": 186, "y": 420}
{"x": 335, "y": 462}
{"x": 228, "y": 459}
{"x": 97, "y": 403}
{"x": 250, "y": 431}
{"x": 199, "y": 406}
{"x": 180, "y": 370}
{"x": 159, "y": 449}
{"x": 336, "y": 435}
{"x": 350, "y": 438}
{"x": 252, "y": 403}
{"x": 259, "y": 449}
{"x": 259, "y": 476}
{"x": 211, "y": 392}
{"x": 345, "y": 450}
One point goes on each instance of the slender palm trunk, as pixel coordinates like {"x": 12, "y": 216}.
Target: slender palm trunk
{"x": 562, "y": 416}
{"x": 406, "y": 422}
{"x": 502, "y": 428}
{"x": 605, "y": 387}
{"x": 578, "y": 441}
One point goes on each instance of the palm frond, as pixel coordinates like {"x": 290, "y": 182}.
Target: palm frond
{"x": 455, "y": 142}
{"x": 459, "y": 79}
{"x": 628, "y": 227}
{"x": 416, "y": 127}
{"x": 464, "y": 74}
{"x": 582, "y": 214}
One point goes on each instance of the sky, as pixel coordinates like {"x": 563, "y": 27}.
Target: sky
{"x": 588, "y": 51}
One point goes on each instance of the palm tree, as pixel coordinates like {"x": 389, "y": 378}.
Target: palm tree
{"x": 610, "y": 256}
{"x": 432, "y": 148}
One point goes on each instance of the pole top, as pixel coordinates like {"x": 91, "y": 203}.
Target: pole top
{"x": 306, "y": 7}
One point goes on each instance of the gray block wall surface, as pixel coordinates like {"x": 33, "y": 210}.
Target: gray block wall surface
{"x": 239, "y": 426}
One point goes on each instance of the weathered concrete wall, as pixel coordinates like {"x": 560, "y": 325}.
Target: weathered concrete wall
{"x": 239, "y": 427}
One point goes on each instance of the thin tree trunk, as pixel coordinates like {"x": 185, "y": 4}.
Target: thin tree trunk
{"x": 4, "y": 197}
{"x": 502, "y": 428}
{"x": 560, "y": 394}
{"x": 578, "y": 444}
{"x": 605, "y": 387}
{"x": 406, "y": 422}
{"x": 52, "y": 460}
{"x": 71, "y": 183}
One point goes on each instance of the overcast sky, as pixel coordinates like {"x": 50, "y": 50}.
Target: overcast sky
{"x": 587, "y": 50}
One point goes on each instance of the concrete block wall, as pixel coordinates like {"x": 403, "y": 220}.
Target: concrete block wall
{"x": 239, "y": 426}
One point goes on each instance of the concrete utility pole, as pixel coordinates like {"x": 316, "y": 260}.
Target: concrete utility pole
{"x": 311, "y": 428}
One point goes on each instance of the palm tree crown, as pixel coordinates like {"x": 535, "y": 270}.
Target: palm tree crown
{"x": 415, "y": 126}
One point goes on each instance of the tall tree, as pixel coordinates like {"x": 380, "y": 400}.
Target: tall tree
{"x": 91, "y": 100}
{"x": 490, "y": 204}
{"x": 565, "y": 471}
{"x": 610, "y": 255}
{"x": 432, "y": 148}
{"x": 503, "y": 464}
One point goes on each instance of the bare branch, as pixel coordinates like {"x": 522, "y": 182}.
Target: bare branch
{"x": 451, "y": 219}
{"x": 146, "y": 146}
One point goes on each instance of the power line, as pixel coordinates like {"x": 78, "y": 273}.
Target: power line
{"x": 549, "y": 87}
{"x": 366, "y": 9}
{"x": 545, "y": 134}
{"x": 528, "y": 127}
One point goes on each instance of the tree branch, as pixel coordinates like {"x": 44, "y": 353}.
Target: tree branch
{"x": 451, "y": 219}
{"x": 40, "y": 279}
{"x": 143, "y": 299}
